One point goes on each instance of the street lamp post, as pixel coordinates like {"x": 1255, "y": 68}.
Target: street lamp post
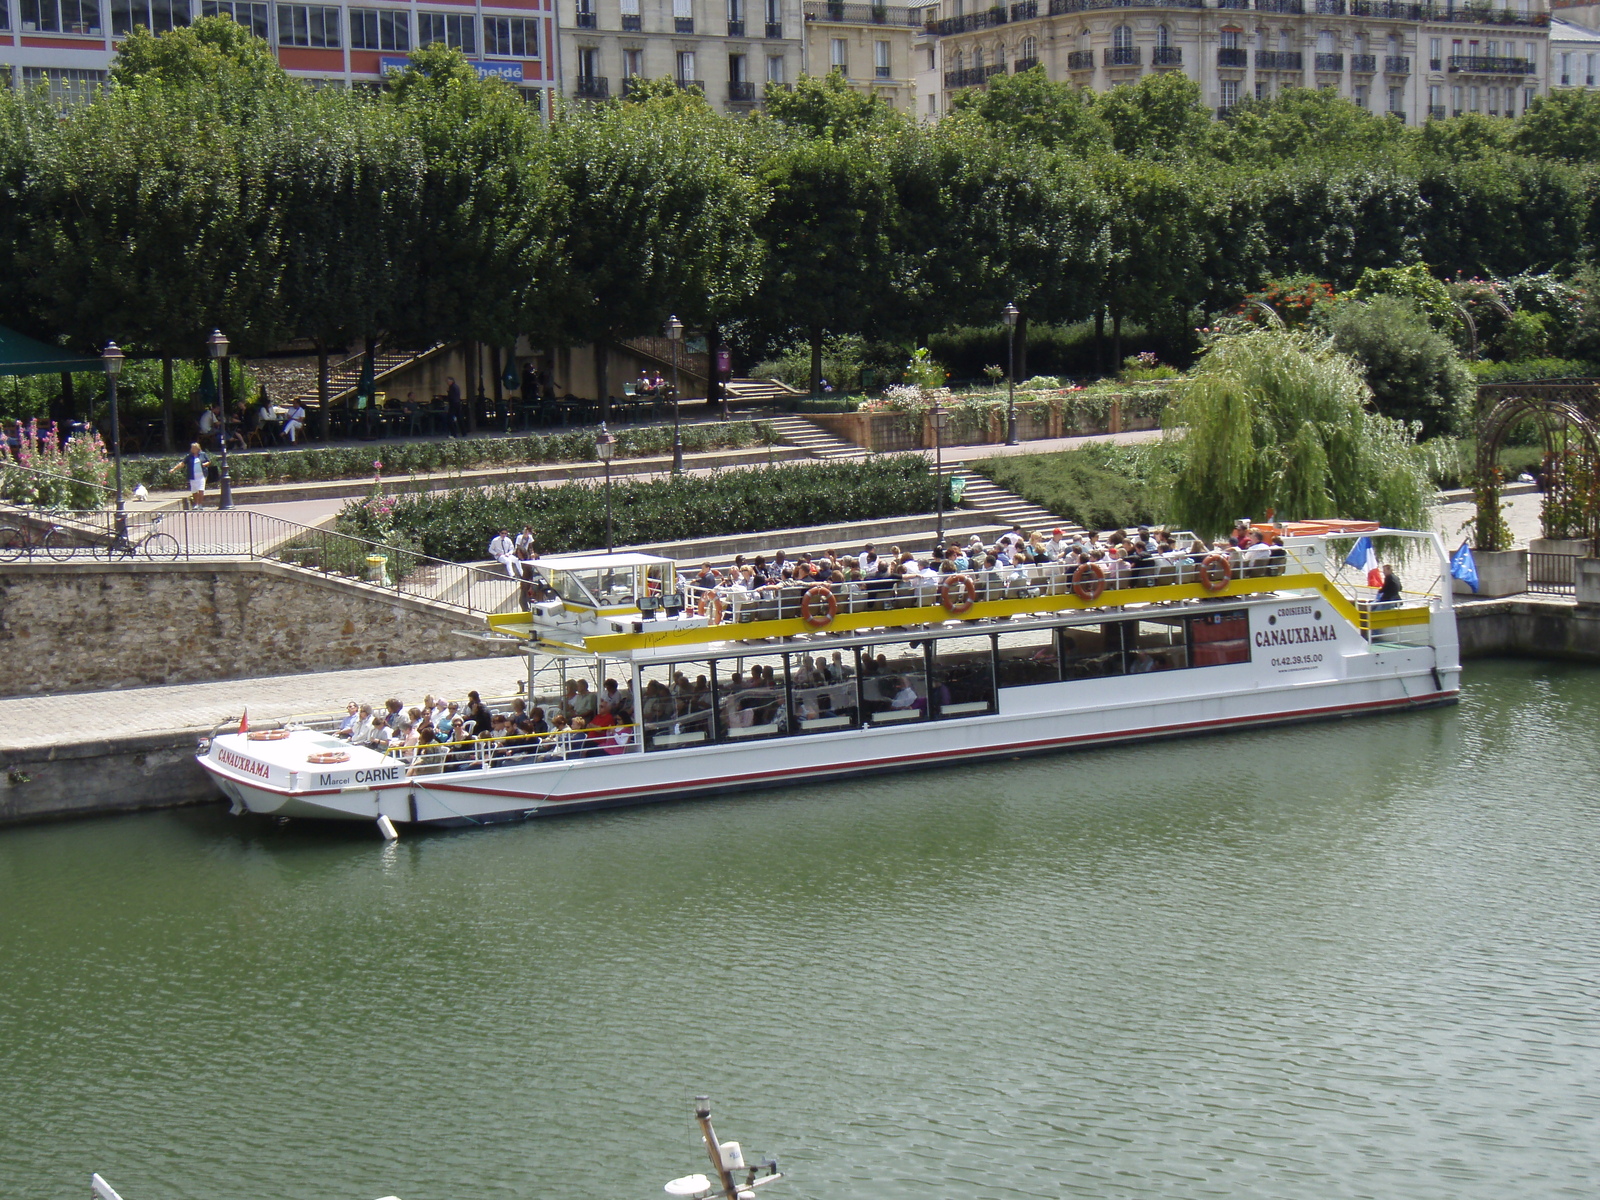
{"x": 1011, "y": 314}
{"x": 939, "y": 415}
{"x": 219, "y": 355}
{"x": 675, "y": 334}
{"x": 112, "y": 357}
{"x": 605, "y": 446}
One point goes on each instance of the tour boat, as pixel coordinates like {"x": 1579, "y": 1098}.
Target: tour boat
{"x": 748, "y": 691}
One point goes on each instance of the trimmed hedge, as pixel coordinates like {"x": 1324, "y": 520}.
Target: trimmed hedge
{"x": 570, "y": 517}
{"x": 457, "y": 454}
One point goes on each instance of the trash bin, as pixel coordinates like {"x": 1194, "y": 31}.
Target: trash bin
{"x": 378, "y": 569}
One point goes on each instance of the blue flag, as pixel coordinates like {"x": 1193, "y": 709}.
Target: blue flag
{"x": 1464, "y": 567}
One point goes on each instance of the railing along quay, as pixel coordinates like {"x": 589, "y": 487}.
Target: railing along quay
{"x": 210, "y": 534}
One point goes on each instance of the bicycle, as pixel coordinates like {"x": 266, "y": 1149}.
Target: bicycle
{"x": 157, "y": 545}
{"x": 15, "y": 541}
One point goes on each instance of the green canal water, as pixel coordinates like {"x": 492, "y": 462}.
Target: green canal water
{"x": 1347, "y": 960}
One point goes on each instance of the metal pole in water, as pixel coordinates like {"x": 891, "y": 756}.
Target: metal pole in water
{"x": 702, "y": 1112}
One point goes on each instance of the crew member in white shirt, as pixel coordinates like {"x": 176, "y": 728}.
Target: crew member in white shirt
{"x": 504, "y": 551}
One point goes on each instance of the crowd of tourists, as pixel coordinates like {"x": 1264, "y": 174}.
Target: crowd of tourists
{"x": 440, "y": 735}
{"x": 1011, "y": 565}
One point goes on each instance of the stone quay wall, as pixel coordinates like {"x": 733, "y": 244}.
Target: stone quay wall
{"x": 82, "y": 626}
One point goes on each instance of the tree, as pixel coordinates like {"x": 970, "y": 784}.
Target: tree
{"x": 1563, "y": 125}
{"x": 1276, "y": 419}
{"x": 1412, "y": 368}
{"x": 1030, "y": 107}
{"x": 1158, "y": 117}
{"x": 827, "y": 238}
{"x": 1304, "y": 121}
{"x": 217, "y": 53}
{"x": 829, "y": 107}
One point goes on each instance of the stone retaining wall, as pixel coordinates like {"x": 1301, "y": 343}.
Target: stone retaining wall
{"x": 68, "y": 627}
{"x": 84, "y": 779}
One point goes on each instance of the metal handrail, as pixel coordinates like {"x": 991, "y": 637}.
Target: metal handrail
{"x": 7, "y": 464}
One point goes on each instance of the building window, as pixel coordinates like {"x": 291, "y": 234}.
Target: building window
{"x": 1163, "y": 37}
{"x": 66, "y": 86}
{"x": 1397, "y": 100}
{"x": 1229, "y": 39}
{"x": 977, "y": 59}
{"x": 380, "y": 29}
{"x": 1361, "y": 94}
{"x": 1122, "y": 38}
{"x": 1455, "y": 101}
{"x": 1472, "y": 99}
{"x": 933, "y": 60}
{"x": 957, "y": 61}
{"x": 252, "y": 15}
{"x": 1263, "y": 90}
{"x": 56, "y": 16}
{"x": 1230, "y": 92}
{"x": 1030, "y": 46}
{"x": 632, "y": 63}
{"x": 1435, "y": 48}
{"x": 682, "y": 16}
{"x": 453, "y": 29}
{"x": 1435, "y": 98}
{"x": 1527, "y": 97}
{"x": 1566, "y": 69}
{"x": 511, "y": 37}
{"x": 158, "y": 16}
{"x": 588, "y": 62}
{"x": 1326, "y": 42}
{"x": 735, "y": 18}
{"x": 933, "y": 105}
{"x": 880, "y": 59}
{"x": 774, "y": 68}
{"x": 308, "y": 25}
{"x": 838, "y": 59}
{"x": 685, "y": 66}
{"x": 736, "y": 69}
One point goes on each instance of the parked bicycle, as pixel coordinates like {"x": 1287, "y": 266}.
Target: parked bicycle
{"x": 17, "y": 540}
{"x": 153, "y": 543}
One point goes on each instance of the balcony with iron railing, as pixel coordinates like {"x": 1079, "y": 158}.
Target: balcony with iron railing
{"x": 1122, "y": 56}
{"x": 1435, "y": 112}
{"x": 1328, "y": 62}
{"x": 1233, "y": 56}
{"x": 1059, "y": 7}
{"x": 968, "y": 22}
{"x": 1435, "y": 64}
{"x": 831, "y": 12}
{"x": 1480, "y": 64}
{"x": 1462, "y": 13}
{"x": 1292, "y": 7}
{"x": 741, "y": 91}
{"x": 1025, "y": 11}
{"x": 1364, "y": 64}
{"x": 1233, "y": 4}
{"x": 682, "y": 24}
{"x": 586, "y": 20}
{"x": 632, "y": 24}
{"x": 1396, "y": 64}
{"x": 1280, "y": 60}
{"x": 1224, "y": 110}
{"x": 1080, "y": 60}
{"x": 1388, "y": 9}
{"x": 735, "y": 28}
{"x": 1330, "y": 8}
{"x": 1024, "y": 64}
{"x": 691, "y": 85}
{"x": 774, "y": 29}
{"x": 592, "y": 87}
{"x": 1166, "y": 56}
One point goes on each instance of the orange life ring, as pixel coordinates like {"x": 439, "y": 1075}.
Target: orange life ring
{"x": 1215, "y": 572}
{"x": 1088, "y": 581}
{"x": 969, "y": 594}
{"x": 813, "y": 618}
{"x": 268, "y": 735}
{"x": 326, "y": 758}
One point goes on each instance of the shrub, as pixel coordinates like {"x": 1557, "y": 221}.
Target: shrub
{"x": 1413, "y": 370}
{"x": 1102, "y": 486}
{"x": 462, "y": 454}
{"x": 1523, "y": 370}
{"x": 571, "y": 517}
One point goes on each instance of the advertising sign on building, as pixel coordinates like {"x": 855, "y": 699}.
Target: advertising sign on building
{"x": 511, "y": 72}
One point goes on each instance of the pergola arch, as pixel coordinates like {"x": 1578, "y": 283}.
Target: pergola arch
{"x": 1571, "y": 477}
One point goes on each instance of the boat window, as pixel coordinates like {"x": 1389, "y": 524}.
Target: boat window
{"x": 894, "y": 682}
{"x": 1217, "y": 639}
{"x": 751, "y": 695}
{"x": 677, "y": 705}
{"x": 1157, "y": 645}
{"x": 1027, "y": 656}
{"x": 1090, "y": 651}
{"x": 823, "y": 689}
{"x": 613, "y": 586}
{"x": 963, "y": 676}
{"x": 572, "y": 587}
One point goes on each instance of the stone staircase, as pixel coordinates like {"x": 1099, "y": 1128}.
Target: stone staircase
{"x": 343, "y": 377}
{"x": 1000, "y": 506}
{"x": 805, "y": 435}
{"x": 758, "y": 393}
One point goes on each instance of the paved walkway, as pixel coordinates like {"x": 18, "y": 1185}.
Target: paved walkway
{"x": 1522, "y": 514}
{"x": 39, "y": 721}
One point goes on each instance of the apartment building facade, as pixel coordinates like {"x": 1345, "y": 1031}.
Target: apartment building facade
{"x": 69, "y": 44}
{"x": 1413, "y": 61}
{"x": 729, "y": 49}
{"x": 1574, "y": 52}
{"x": 870, "y": 45}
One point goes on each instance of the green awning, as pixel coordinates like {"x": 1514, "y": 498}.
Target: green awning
{"x": 22, "y": 355}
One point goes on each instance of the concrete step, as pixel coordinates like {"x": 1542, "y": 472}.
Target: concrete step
{"x": 807, "y": 436}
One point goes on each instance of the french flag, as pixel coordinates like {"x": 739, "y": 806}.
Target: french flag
{"x": 1363, "y": 557}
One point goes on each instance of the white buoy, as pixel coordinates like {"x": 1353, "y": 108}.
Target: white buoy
{"x": 386, "y": 827}
{"x": 102, "y": 1189}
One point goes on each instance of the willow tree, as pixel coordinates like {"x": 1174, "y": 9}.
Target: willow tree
{"x": 1275, "y": 419}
